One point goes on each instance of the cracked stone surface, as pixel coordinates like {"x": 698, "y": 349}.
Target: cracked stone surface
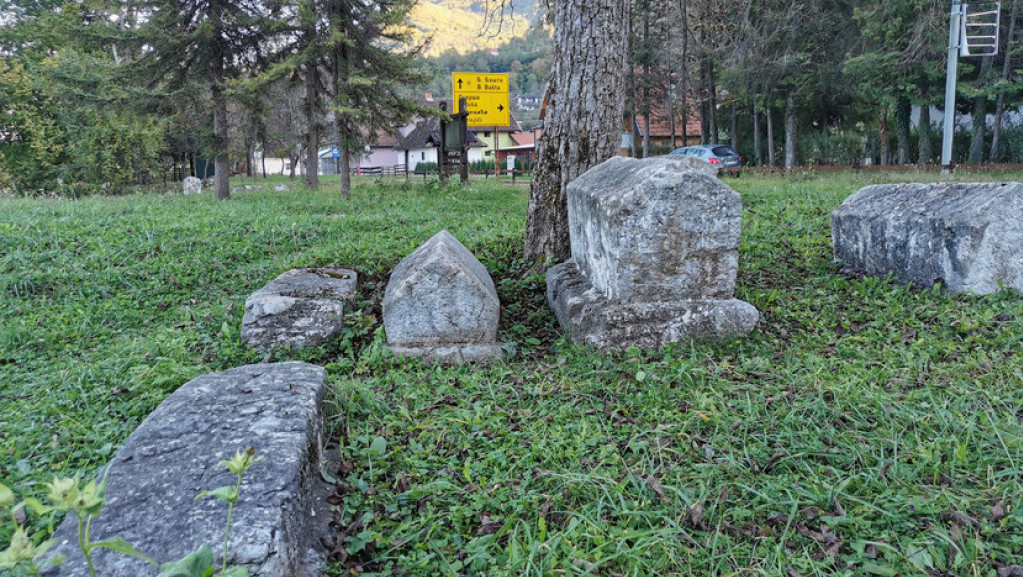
{"x": 967, "y": 237}
{"x": 302, "y": 308}
{"x": 441, "y": 304}
{"x": 174, "y": 454}
{"x": 655, "y": 252}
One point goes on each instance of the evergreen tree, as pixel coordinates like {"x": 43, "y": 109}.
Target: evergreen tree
{"x": 214, "y": 40}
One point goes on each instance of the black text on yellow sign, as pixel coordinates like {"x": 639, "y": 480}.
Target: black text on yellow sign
{"x": 486, "y": 97}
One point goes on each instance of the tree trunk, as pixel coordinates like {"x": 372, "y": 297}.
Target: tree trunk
{"x": 713, "y": 105}
{"x": 770, "y": 138}
{"x": 346, "y": 173}
{"x": 903, "y": 109}
{"x": 790, "y": 132}
{"x": 980, "y": 114}
{"x": 756, "y": 137}
{"x": 883, "y": 152}
{"x": 926, "y": 155}
{"x": 996, "y": 131}
{"x": 312, "y": 133}
{"x": 671, "y": 112}
{"x": 582, "y": 127}
{"x": 735, "y": 128}
{"x": 221, "y": 161}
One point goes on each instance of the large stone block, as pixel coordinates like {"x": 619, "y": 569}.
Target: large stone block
{"x": 441, "y": 304}
{"x": 191, "y": 185}
{"x": 966, "y": 237}
{"x": 655, "y": 251}
{"x": 174, "y": 454}
{"x": 301, "y": 308}
{"x": 656, "y": 229}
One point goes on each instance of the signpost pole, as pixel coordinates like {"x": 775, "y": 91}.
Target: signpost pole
{"x": 497, "y": 149}
{"x": 463, "y": 119}
{"x": 948, "y": 124}
{"x": 442, "y": 153}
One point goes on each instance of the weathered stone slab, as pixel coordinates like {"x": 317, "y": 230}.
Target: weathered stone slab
{"x": 441, "y": 304}
{"x": 968, "y": 237}
{"x": 301, "y": 308}
{"x": 655, "y": 251}
{"x": 191, "y": 185}
{"x": 174, "y": 455}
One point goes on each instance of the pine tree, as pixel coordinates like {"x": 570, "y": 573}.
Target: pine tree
{"x": 214, "y": 40}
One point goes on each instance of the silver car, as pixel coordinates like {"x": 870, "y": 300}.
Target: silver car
{"x": 721, "y": 155}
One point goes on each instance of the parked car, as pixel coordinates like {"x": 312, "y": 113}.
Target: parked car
{"x": 720, "y": 154}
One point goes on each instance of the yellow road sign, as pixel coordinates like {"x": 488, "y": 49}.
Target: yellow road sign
{"x": 486, "y": 97}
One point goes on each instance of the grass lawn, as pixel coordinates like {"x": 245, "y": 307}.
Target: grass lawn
{"x": 863, "y": 429}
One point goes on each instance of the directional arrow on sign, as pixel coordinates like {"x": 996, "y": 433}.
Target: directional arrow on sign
{"x": 459, "y": 82}
{"x": 500, "y": 108}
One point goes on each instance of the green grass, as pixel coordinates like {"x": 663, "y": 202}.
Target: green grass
{"x": 865, "y": 428}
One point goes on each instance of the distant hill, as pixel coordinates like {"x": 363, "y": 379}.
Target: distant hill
{"x": 465, "y": 26}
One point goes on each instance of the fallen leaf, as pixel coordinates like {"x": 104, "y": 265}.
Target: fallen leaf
{"x": 998, "y": 511}
{"x": 488, "y": 525}
{"x": 792, "y": 572}
{"x": 654, "y": 485}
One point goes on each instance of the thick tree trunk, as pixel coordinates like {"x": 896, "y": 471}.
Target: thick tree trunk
{"x": 926, "y": 154}
{"x": 996, "y": 131}
{"x": 671, "y": 112}
{"x": 980, "y": 115}
{"x": 311, "y": 106}
{"x": 582, "y": 127}
{"x": 903, "y": 109}
{"x": 770, "y": 138}
{"x": 790, "y": 132}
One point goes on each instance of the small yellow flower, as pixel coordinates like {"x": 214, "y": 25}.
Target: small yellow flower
{"x": 6, "y": 496}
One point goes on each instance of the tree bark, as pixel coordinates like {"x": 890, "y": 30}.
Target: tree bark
{"x": 790, "y": 132}
{"x": 221, "y": 161}
{"x": 770, "y": 138}
{"x": 582, "y": 126}
{"x": 346, "y": 173}
{"x": 713, "y": 105}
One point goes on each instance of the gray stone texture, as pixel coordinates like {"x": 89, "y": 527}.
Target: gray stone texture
{"x": 174, "y": 454}
{"x": 301, "y": 308}
{"x": 655, "y": 251}
{"x": 191, "y": 185}
{"x": 441, "y": 304}
{"x": 966, "y": 236}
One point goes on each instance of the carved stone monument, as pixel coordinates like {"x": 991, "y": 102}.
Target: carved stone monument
{"x": 301, "y": 308}
{"x": 191, "y": 185}
{"x": 441, "y": 304}
{"x": 967, "y": 237}
{"x": 655, "y": 251}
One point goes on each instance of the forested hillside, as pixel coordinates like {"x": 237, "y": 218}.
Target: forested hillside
{"x": 465, "y": 26}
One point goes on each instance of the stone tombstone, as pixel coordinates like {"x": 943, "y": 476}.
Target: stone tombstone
{"x": 174, "y": 455}
{"x": 441, "y": 305}
{"x": 967, "y": 237}
{"x": 655, "y": 252}
{"x": 192, "y": 185}
{"x": 302, "y": 308}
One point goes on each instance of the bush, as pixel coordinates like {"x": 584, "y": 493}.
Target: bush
{"x": 831, "y": 147}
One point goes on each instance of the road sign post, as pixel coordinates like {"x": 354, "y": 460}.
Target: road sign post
{"x": 483, "y": 96}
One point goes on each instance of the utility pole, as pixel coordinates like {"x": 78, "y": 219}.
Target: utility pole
{"x": 951, "y": 71}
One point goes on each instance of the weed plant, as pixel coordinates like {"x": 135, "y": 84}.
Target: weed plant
{"x": 865, "y": 428}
